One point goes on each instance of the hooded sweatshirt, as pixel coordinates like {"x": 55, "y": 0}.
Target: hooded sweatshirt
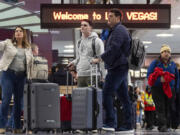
{"x": 84, "y": 54}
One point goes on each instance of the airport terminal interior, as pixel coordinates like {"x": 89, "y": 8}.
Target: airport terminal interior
{"x": 54, "y": 26}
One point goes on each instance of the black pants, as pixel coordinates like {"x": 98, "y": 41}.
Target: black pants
{"x": 165, "y": 107}
{"x": 149, "y": 118}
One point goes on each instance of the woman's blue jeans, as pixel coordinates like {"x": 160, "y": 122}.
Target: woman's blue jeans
{"x": 11, "y": 83}
{"x": 139, "y": 117}
{"x": 10, "y": 123}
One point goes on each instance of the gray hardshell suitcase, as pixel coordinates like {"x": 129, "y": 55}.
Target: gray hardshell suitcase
{"x": 41, "y": 106}
{"x": 87, "y": 108}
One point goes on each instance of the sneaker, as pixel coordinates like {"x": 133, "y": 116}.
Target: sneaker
{"x": 108, "y": 128}
{"x": 78, "y": 131}
{"x": 138, "y": 126}
{"x": 94, "y": 131}
{"x": 124, "y": 130}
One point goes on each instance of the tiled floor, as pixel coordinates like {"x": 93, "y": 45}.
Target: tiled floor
{"x": 137, "y": 132}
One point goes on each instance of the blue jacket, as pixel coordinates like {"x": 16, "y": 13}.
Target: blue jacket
{"x": 171, "y": 68}
{"x": 116, "y": 48}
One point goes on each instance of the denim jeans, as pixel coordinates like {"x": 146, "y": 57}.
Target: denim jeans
{"x": 116, "y": 83}
{"x": 134, "y": 105}
{"x": 11, "y": 84}
{"x": 139, "y": 117}
{"x": 10, "y": 123}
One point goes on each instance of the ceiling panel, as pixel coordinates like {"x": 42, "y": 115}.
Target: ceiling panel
{"x": 15, "y": 16}
{"x": 3, "y": 6}
{"x": 13, "y": 13}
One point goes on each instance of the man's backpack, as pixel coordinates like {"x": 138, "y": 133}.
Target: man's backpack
{"x": 40, "y": 69}
{"x": 137, "y": 54}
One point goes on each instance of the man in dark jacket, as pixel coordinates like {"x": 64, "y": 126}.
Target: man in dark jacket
{"x": 115, "y": 58}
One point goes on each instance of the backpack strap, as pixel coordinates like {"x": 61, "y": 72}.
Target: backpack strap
{"x": 93, "y": 46}
{"x": 79, "y": 42}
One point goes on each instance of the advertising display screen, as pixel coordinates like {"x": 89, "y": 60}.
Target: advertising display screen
{"x": 133, "y": 16}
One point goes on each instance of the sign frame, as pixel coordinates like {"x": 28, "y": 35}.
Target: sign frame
{"x": 165, "y": 18}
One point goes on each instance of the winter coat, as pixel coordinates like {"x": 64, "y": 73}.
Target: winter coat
{"x": 117, "y": 48}
{"x": 171, "y": 68}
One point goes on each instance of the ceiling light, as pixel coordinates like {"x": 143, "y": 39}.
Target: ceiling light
{"x": 178, "y": 18}
{"x": 175, "y": 26}
{"x": 147, "y": 42}
{"x": 68, "y": 55}
{"x": 35, "y": 35}
{"x": 69, "y": 46}
{"x": 68, "y": 51}
{"x": 164, "y": 35}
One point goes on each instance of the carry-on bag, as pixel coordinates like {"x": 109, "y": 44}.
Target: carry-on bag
{"x": 87, "y": 106}
{"x": 39, "y": 71}
{"x": 66, "y": 108}
{"x": 41, "y": 106}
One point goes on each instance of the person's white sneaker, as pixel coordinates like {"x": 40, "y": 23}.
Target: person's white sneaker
{"x": 79, "y": 131}
{"x": 94, "y": 131}
{"x": 125, "y": 131}
{"x": 106, "y": 128}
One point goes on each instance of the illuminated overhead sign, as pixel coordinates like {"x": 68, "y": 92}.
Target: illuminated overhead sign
{"x": 133, "y": 16}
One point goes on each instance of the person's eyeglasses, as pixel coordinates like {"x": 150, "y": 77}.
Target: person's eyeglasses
{"x": 85, "y": 25}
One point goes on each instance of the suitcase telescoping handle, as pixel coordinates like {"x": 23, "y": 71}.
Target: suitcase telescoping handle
{"x": 67, "y": 81}
{"x": 94, "y": 72}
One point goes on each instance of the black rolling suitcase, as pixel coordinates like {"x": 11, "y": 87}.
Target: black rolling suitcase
{"x": 41, "y": 107}
{"x": 87, "y": 107}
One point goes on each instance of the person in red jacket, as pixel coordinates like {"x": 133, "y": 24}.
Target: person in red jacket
{"x": 163, "y": 77}
{"x": 149, "y": 109}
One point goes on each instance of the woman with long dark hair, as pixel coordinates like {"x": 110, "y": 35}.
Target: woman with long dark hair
{"x": 15, "y": 64}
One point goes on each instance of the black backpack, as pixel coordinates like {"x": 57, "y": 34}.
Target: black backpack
{"x": 136, "y": 55}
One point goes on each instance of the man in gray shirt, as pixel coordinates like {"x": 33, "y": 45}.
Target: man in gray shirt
{"x": 84, "y": 53}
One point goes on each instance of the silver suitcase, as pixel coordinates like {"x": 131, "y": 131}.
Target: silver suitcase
{"x": 87, "y": 107}
{"x": 41, "y": 106}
